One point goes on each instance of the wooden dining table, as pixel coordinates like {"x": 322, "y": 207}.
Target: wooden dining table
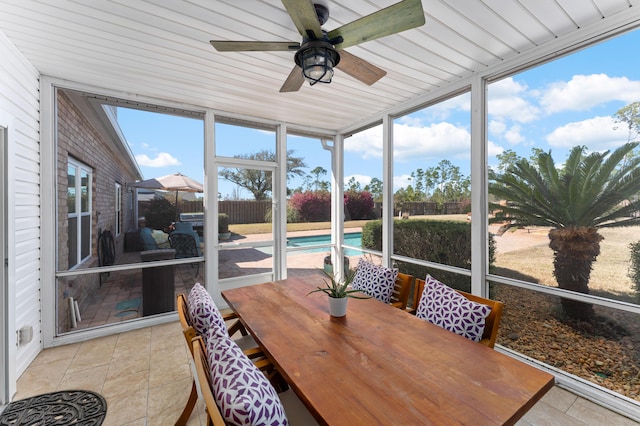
{"x": 382, "y": 365}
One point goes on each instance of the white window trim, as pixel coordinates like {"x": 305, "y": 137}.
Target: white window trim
{"x": 118, "y": 209}
{"x": 82, "y": 168}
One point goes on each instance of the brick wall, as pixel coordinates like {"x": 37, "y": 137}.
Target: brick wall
{"x": 79, "y": 140}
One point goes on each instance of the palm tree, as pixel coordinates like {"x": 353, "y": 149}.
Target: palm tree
{"x": 591, "y": 191}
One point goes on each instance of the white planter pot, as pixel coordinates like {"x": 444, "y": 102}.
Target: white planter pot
{"x": 338, "y": 306}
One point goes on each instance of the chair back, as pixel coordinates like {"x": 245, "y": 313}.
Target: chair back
{"x": 189, "y": 334}
{"x": 183, "y": 227}
{"x": 184, "y": 245}
{"x": 185, "y": 319}
{"x": 401, "y": 290}
{"x": 492, "y": 322}
{"x": 203, "y": 382}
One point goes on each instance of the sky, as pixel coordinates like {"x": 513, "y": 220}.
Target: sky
{"x": 570, "y": 101}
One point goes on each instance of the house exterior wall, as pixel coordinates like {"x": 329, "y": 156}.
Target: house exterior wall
{"x": 19, "y": 100}
{"x": 79, "y": 140}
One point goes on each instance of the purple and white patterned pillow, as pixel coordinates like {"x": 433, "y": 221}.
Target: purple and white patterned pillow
{"x": 376, "y": 281}
{"x": 204, "y": 313}
{"x": 443, "y": 306}
{"x": 242, "y": 392}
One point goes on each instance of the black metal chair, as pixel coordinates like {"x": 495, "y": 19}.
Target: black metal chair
{"x": 185, "y": 246}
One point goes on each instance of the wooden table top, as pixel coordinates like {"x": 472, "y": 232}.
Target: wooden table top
{"x": 381, "y": 365}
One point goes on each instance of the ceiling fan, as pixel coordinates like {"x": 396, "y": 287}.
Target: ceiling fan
{"x": 318, "y": 53}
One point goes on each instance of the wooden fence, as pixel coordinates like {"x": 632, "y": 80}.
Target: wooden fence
{"x": 419, "y": 208}
{"x": 238, "y": 211}
{"x": 256, "y": 211}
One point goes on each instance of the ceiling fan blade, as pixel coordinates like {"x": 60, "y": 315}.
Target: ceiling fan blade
{"x": 252, "y": 46}
{"x": 399, "y": 17}
{"x": 294, "y": 82}
{"x": 304, "y": 16}
{"x": 359, "y": 68}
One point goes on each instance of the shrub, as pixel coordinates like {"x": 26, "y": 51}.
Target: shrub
{"x": 223, "y": 223}
{"x": 312, "y": 206}
{"x": 159, "y": 213}
{"x": 359, "y": 204}
{"x": 292, "y": 215}
{"x": 444, "y": 242}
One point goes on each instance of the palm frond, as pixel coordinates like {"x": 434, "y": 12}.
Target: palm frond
{"x": 588, "y": 191}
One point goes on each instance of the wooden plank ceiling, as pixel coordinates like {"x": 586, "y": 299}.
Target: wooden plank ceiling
{"x": 160, "y": 48}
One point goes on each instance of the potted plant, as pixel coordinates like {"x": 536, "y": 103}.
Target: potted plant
{"x": 338, "y": 292}
{"x": 223, "y": 227}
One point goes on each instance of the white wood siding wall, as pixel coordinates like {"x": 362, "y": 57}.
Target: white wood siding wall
{"x": 19, "y": 99}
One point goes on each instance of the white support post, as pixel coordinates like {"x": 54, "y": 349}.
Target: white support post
{"x": 337, "y": 203}
{"x": 479, "y": 188}
{"x": 387, "y": 190}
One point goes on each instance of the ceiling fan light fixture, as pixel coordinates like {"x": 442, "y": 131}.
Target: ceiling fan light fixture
{"x": 317, "y": 59}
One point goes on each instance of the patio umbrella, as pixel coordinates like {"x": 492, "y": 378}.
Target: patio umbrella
{"x": 173, "y": 182}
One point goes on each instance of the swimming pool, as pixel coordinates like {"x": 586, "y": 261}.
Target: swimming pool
{"x": 352, "y": 239}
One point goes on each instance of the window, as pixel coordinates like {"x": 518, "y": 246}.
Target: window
{"x": 432, "y": 190}
{"x": 118, "y": 205}
{"x": 79, "y": 178}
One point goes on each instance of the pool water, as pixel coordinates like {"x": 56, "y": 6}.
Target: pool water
{"x": 352, "y": 239}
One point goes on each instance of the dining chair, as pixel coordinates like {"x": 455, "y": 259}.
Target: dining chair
{"x": 185, "y": 246}
{"x": 203, "y": 383}
{"x": 295, "y": 411}
{"x": 246, "y": 343}
{"x": 492, "y": 321}
{"x": 401, "y": 290}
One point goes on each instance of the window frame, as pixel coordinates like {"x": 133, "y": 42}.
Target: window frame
{"x": 80, "y": 169}
{"x": 118, "y": 209}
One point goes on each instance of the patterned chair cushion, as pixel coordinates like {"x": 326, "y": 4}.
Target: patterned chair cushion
{"x": 205, "y": 314}
{"x": 443, "y": 306}
{"x": 242, "y": 392}
{"x": 376, "y": 281}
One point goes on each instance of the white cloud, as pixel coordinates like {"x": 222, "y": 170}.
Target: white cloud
{"x": 513, "y": 108}
{"x": 597, "y": 134}
{"x": 585, "y": 91}
{"x": 368, "y": 144}
{"x": 437, "y": 141}
{"x": 507, "y": 87}
{"x": 401, "y": 181}
{"x": 363, "y": 180}
{"x": 513, "y": 135}
{"x": 507, "y": 101}
{"x": 497, "y": 127}
{"x": 494, "y": 149}
{"x": 440, "y": 140}
{"x": 163, "y": 159}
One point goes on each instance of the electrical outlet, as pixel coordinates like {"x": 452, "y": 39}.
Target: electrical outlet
{"x": 25, "y": 335}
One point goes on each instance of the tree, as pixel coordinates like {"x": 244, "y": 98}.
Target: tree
{"x": 317, "y": 183}
{"x": 506, "y": 158}
{"x": 353, "y": 185}
{"x": 447, "y": 183}
{"x": 418, "y": 178}
{"x": 590, "y": 192}
{"x": 630, "y": 116}
{"x": 260, "y": 182}
{"x": 375, "y": 187}
{"x": 405, "y": 195}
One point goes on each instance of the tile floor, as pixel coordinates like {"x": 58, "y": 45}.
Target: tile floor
{"x": 144, "y": 375}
